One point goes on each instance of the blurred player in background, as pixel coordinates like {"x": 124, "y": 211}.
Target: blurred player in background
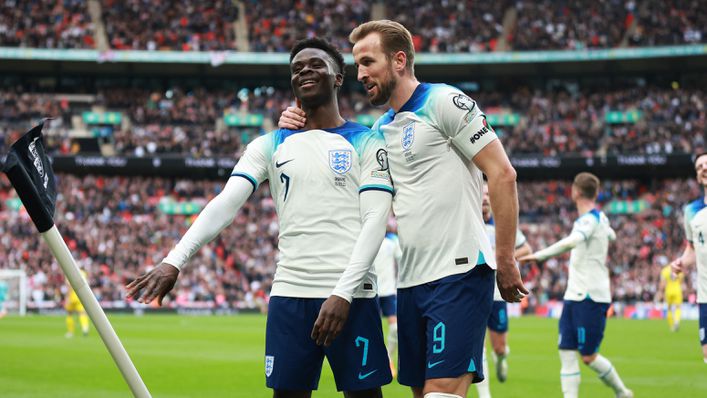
{"x": 73, "y": 307}
{"x": 671, "y": 289}
{"x": 3, "y": 295}
{"x": 695, "y": 251}
{"x": 386, "y": 270}
{"x": 332, "y": 193}
{"x": 588, "y": 296}
{"x": 498, "y": 321}
{"x": 438, "y": 144}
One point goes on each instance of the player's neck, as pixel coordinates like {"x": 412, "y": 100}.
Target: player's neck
{"x": 585, "y": 206}
{"x": 324, "y": 116}
{"x": 403, "y": 91}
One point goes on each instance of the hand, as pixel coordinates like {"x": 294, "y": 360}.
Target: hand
{"x": 156, "y": 283}
{"x": 676, "y": 266}
{"x": 331, "y": 320}
{"x": 509, "y": 283}
{"x": 293, "y": 118}
{"x": 528, "y": 258}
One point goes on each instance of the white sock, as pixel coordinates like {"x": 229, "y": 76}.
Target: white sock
{"x": 392, "y": 340}
{"x": 483, "y": 387}
{"x": 607, "y": 373}
{"x": 440, "y": 395}
{"x": 569, "y": 373}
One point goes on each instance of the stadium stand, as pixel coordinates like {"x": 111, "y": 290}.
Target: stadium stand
{"x": 119, "y": 226}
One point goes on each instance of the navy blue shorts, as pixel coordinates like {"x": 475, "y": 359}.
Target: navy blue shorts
{"x": 582, "y": 326}
{"x": 358, "y": 357}
{"x": 442, "y": 325}
{"x": 498, "y": 321}
{"x": 703, "y": 323}
{"x": 388, "y": 305}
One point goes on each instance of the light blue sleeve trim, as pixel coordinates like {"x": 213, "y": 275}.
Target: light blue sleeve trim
{"x": 375, "y": 187}
{"x": 248, "y": 177}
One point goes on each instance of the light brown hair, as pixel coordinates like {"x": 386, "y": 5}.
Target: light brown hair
{"x": 394, "y": 37}
{"x": 588, "y": 185}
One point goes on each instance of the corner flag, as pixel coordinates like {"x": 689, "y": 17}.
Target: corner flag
{"x": 30, "y": 173}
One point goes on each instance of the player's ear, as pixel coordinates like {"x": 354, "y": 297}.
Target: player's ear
{"x": 339, "y": 80}
{"x": 400, "y": 60}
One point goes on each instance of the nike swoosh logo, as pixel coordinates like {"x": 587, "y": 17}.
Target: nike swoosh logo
{"x": 278, "y": 165}
{"x": 361, "y": 377}
{"x": 433, "y": 364}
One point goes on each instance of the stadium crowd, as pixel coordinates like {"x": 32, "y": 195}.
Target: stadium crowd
{"x": 117, "y": 227}
{"x": 551, "y": 122}
{"x": 178, "y": 25}
{"x": 64, "y": 24}
{"x": 274, "y": 25}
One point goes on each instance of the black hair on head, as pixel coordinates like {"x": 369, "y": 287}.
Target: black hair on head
{"x": 322, "y": 44}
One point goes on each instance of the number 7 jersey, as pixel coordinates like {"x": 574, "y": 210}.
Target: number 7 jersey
{"x": 315, "y": 178}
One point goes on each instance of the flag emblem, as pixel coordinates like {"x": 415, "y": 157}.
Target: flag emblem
{"x": 408, "y": 136}
{"x": 269, "y": 363}
{"x": 340, "y": 160}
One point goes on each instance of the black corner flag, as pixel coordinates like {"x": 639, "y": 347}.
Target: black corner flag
{"x": 31, "y": 174}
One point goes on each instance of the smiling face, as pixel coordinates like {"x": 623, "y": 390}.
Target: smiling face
{"x": 314, "y": 76}
{"x": 375, "y": 69}
{"x": 701, "y": 170}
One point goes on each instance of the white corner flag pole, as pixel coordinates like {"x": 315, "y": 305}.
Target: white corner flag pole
{"x": 95, "y": 312}
{"x": 29, "y": 170}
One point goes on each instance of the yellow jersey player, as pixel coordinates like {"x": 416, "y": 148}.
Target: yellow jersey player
{"x": 671, "y": 285}
{"x": 73, "y": 306}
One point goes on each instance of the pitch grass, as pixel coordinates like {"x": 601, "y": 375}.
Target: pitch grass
{"x": 181, "y": 356}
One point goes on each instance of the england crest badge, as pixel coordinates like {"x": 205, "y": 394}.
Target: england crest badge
{"x": 269, "y": 363}
{"x": 408, "y": 136}
{"x": 340, "y": 160}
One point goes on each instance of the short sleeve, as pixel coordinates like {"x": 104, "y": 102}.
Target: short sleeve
{"x": 585, "y": 226}
{"x": 374, "y": 165}
{"x": 253, "y": 165}
{"x": 459, "y": 118}
{"x": 688, "y": 229}
{"x": 520, "y": 238}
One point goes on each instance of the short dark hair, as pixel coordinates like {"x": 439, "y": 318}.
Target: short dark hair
{"x": 588, "y": 185}
{"x": 322, "y": 44}
{"x": 697, "y": 156}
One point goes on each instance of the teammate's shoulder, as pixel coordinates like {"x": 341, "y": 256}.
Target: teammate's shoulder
{"x": 384, "y": 119}
{"x": 592, "y": 216}
{"x": 696, "y": 205}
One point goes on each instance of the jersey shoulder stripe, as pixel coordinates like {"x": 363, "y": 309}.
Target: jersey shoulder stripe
{"x": 694, "y": 207}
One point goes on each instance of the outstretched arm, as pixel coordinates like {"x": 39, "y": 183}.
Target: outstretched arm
{"x": 217, "y": 215}
{"x": 557, "y": 248}
{"x": 687, "y": 259}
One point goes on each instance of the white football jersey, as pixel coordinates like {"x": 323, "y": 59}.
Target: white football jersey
{"x": 695, "y": 215}
{"x": 315, "y": 179}
{"x": 588, "y": 273}
{"x": 386, "y": 259}
{"x": 491, "y": 234}
{"x": 438, "y": 190}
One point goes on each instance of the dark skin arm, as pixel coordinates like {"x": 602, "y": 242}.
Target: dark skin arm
{"x": 331, "y": 320}
{"x": 154, "y": 284}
